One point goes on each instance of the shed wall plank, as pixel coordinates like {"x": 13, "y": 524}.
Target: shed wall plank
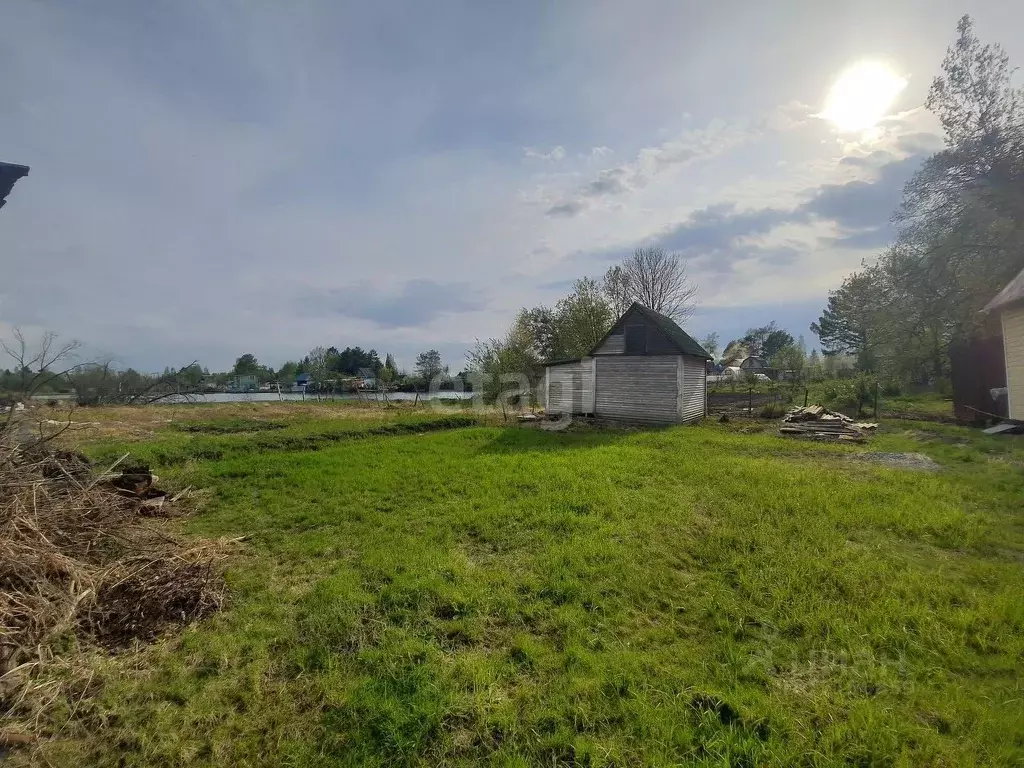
{"x": 613, "y": 345}
{"x": 570, "y": 387}
{"x": 694, "y": 385}
{"x": 638, "y": 388}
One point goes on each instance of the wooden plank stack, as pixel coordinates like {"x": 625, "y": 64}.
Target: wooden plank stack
{"x": 819, "y": 423}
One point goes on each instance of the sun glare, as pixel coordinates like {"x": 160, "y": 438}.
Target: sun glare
{"x": 862, "y": 95}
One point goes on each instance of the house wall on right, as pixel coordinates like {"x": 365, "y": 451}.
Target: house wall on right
{"x": 1013, "y": 348}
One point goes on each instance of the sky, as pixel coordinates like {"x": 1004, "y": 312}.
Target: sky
{"x": 215, "y": 178}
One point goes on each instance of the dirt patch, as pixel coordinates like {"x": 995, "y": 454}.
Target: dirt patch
{"x": 915, "y": 461}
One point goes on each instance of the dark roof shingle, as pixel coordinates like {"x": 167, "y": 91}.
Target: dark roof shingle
{"x": 673, "y": 332}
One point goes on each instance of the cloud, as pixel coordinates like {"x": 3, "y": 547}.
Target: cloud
{"x": 726, "y": 242}
{"x": 688, "y": 147}
{"x": 864, "y": 204}
{"x": 556, "y": 154}
{"x": 607, "y": 183}
{"x": 568, "y": 209}
{"x": 872, "y": 160}
{"x": 415, "y": 303}
{"x": 718, "y": 227}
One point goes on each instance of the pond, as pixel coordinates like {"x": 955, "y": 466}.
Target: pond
{"x": 259, "y": 397}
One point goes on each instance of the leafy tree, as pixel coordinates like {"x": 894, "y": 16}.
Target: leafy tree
{"x": 767, "y": 340}
{"x": 570, "y": 329}
{"x": 710, "y": 343}
{"x": 735, "y": 351}
{"x": 792, "y": 360}
{"x": 288, "y": 371}
{"x": 190, "y": 377}
{"x": 539, "y": 324}
{"x": 814, "y": 367}
{"x": 581, "y": 319}
{"x": 428, "y": 365}
{"x": 776, "y": 341}
{"x": 506, "y": 369}
{"x": 318, "y": 364}
{"x": 246, "y": 365}
{"x": 843, "y": 325}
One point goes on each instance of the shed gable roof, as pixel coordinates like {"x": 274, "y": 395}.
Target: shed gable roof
{"x": 1012, "y": 293}
{"x": 679, "y": 338}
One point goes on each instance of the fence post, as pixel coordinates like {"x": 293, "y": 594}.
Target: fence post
{"x": 807, "y": 391}
{"x": 876, "y": 401}
{"x": 750, "y": 400}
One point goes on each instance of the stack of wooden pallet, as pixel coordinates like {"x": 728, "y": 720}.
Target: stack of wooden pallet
{"x": 819, "y": 423}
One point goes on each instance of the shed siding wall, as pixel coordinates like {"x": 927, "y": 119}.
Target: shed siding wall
{"x": 1013, "y": 347}
{"x": 692, "y": 388}
{"x": 570, "y": 387}
{"x": 613, "y": 345}
{"x": 589, "y": 370}
{"x": 638, "y": 388}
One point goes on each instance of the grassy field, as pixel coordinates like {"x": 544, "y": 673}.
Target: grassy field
{"x": 420, "y": 590}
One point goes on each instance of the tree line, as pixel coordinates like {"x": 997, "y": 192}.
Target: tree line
{"x": 325, "y": 364}
{"x": 960, "y": 229}
{"x": 49, "y": 366}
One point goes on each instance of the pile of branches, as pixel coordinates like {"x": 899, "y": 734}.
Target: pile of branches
{"x": 87, "y": 559}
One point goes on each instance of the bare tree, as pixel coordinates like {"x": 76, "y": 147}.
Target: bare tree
{"x": 100, "y": 383}
{"x": 617, "y": 290}
{"x": 36, "y": 366}
{"x": 655, "y": 278}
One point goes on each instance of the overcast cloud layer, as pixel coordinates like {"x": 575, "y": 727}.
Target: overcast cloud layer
{"x": 216, "y": 178}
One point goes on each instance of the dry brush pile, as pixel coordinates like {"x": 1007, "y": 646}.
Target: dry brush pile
{"x": 87, "y": 560}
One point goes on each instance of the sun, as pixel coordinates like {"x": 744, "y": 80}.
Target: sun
{"x": 862, "y": 95}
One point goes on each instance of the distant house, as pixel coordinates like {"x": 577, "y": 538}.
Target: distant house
{"x": 753, "y": 363}
{"x": 303, "y": 379}
{"x": 245, "y": 383}
{"x": 645, "y": 369}
{"x": 1009, "y": 304}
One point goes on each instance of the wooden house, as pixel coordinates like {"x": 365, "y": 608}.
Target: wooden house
{"x": 645, "y": 369}
{"x": 1009, "y": 304}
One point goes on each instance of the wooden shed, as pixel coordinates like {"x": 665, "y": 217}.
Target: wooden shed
{"x": 645, "y": 369}
{"x": 1009, "y": 303}
{"x": 569, "y": 386}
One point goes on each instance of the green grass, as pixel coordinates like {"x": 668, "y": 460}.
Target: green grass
{"x": 693, "y": 595}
